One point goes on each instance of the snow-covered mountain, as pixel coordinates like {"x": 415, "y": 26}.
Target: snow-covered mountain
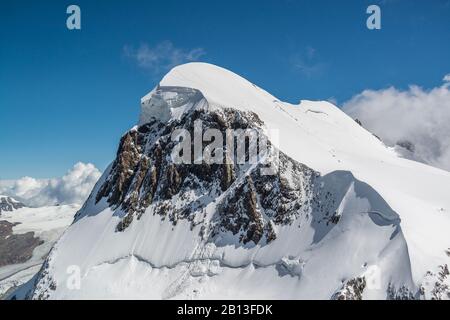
{"x": 26, "y": 237}
{"x": 9, "y": 204}
{"x": 344, "y": 217}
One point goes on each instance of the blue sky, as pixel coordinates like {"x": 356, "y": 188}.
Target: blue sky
{"x": 68, "y": 96}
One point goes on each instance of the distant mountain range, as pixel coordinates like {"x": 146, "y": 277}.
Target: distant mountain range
{"x": 9, "y": 204}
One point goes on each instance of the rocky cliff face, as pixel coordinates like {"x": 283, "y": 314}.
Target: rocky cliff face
{"x": 249, "y": 204}
{"x": 9, "y": 204}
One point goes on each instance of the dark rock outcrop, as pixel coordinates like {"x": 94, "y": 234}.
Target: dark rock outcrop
{"x": 351, "y": 290}
{"x": 15, "y": 248}
{"x": 247, "y": 203}
{"x": 9, "y": 204}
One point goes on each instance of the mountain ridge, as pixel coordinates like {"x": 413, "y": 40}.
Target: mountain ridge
{"x": 8, "y": 204}
{"x": 343, "y": 217}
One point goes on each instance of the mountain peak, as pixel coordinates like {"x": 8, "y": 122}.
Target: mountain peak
{"x": 338, "y": 198}
{"x": 204, "y": 86}
{"x": 208, "y": 78}
{"x": 9, "y": 204}
{"x": 218, "y": 86}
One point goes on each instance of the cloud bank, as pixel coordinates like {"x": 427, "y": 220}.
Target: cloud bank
{"x": 72, "y": 188}
{"x": 416, "y": 118}
{"x": 161, "y": 57}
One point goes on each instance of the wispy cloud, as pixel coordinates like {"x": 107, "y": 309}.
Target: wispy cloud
{"x": 447, "y": 79}
{"x": 162, "y": 56}
{"x": 416, "y": 116}
{"x": 307, "y": 62}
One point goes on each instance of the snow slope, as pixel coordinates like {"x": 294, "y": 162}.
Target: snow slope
{"x": 393, "y": 216}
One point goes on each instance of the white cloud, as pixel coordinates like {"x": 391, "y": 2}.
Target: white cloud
{"x": 161, "y": 57}
{"x": 446, "y": 78}
{"x": 419, "y": 116}
{"x": 74, "y": 187}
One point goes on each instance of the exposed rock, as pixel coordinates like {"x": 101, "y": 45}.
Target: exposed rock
{"x": 250, "y": 204}
{"x": 437, "y": 285}
{"x": 228, "y": 176}
{"x": 408, "y": 145}
{"x": 15, "y": 248}
{"x": 9, "y": 204}
{"x": 376, "y": 136}
{"x": 402, "y": 293}
{"x": 351, "y": 290}
{"x": 43, "y": 280}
